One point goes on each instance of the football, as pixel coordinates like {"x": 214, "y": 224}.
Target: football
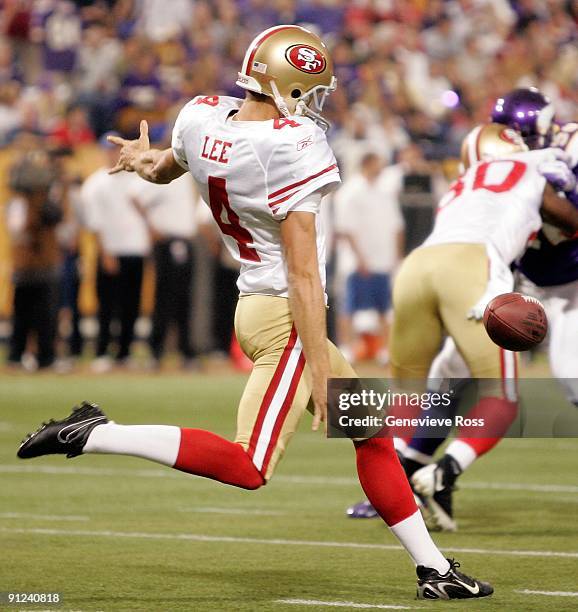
{"x": 515, "y": 322}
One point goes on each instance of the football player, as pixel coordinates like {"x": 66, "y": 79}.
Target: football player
{"x": 262, "y": 164}
{"x": 548, "y": 270}
{"x": 549, "y": 267}
{"x": 482, "y": 226}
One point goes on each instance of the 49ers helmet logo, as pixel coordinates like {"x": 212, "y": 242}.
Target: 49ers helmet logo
{"x": 511, "y": 136}
{"x": 306, "y": 58}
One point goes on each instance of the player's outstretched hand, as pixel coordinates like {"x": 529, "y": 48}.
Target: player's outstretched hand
{"x": 130, "y": 149}
{"x": 558, "y": 174}
{"x": 319, "y": 396}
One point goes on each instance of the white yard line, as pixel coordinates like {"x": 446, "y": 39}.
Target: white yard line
{"x": 342, "y": 604}
{"x": 193, "y": 537}
{"x": 42, "y": 517}
{"x": 236, "y": 511}
{"x": 281, "y": 479}
{"x": 548, "y": 593}
{"x": 53, "y": 470}
{"x": 516, "y": 486}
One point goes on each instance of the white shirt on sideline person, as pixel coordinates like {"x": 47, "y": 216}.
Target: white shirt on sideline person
{"x": 172, "y": 209}
{"x": 110, "y": 213}
{"x": 370, "y": 213}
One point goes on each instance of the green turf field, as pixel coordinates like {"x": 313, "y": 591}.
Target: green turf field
{"x": 115, "y": 533}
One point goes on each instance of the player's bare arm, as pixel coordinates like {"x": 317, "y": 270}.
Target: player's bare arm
{"x": 559, "y": 211}
{"x": 361, "y": 263}
{"x": 153, "y": 165}
{"x": 307, "y": 301}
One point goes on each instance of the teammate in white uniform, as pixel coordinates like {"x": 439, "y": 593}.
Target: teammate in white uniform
{"x": 262, "y": 165}
{"x": 482, "y": 226}
{"x": 548, "y": 270}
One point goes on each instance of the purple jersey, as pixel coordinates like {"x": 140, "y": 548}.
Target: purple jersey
{"x": 62, "y": 32}
{"x": 552, "y": 258}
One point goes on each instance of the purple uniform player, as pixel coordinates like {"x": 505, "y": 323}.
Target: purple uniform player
{"x": 549, "y": 267}
{"x": 552, "y": 258}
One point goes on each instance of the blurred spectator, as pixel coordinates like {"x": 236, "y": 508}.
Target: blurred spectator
{"x": 57, "y": 26}
{"x": 327, "y": 17}
{"x": 123, "y": 243}
{"x": 160, "y": 20}
{"x": 415, "y": 185}
{"x": 10, "y": 114}
{"x": 69, "y": 241}
{"x": 141, "y": 95}
{"x": 32, "y": 220}
{"x": 170, "y": 215}
{"x": 98, "y": 68}
{"x": 371, "y": 224}
{"x": 362, "y": 133}
{"x": 10, "y": 69}
{"x": 73, "y": 130}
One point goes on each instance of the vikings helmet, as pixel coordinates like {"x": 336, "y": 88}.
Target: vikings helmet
{"x": 529, "y": 112}
{"x": 490, "y": 141}
{"x": 291, "y": 65}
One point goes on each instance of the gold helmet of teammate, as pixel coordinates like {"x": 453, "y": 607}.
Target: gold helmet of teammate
{"x": 291, "y": 65}
{"x": 490, "y": 141}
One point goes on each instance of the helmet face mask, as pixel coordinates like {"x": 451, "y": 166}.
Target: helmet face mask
{"x": 529, "y": 112}
{"x": 291, "y": 65}
{"x": 311, "y": 103}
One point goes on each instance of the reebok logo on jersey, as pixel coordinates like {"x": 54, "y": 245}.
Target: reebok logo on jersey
{"x": 304, "y": 143}
{"x": 215, "y": 150}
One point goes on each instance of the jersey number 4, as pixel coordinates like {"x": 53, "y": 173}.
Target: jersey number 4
{"x": 515, "y": 171}
{"x": 219, "y": 200}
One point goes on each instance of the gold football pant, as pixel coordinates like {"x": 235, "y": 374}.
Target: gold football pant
{"x": 433, "y": 291}
{"x": 279, "y": 388}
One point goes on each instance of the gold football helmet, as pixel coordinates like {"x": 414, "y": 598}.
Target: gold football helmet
{"x": 490, "y": 141}
{"x": 291, "y": 65}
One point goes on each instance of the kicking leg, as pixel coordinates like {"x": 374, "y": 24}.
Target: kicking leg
{"x": 274, "y": 400}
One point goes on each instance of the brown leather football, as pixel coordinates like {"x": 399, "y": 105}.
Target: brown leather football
{"x": 516, "y": 322}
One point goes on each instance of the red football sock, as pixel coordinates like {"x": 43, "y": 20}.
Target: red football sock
{"x": 383, "y": 480}
{"x": 205, "y": 454}
{"x": 498, "y": 414}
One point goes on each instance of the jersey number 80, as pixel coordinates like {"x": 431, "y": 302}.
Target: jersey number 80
{"x": 510, "y": 180}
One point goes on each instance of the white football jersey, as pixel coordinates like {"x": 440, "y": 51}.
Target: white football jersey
{"x": 496, "y": 202}
{"x": 252, "y": 174}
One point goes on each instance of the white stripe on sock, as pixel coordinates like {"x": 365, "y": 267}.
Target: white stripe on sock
{"x": 462, "y": 452}
{"x": 415, "y": 538}
{"x": 158, "y": 443}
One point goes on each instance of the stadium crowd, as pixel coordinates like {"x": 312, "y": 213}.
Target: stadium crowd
{"x": 414, "y": 76}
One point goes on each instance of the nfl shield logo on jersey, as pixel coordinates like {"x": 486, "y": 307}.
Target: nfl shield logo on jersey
{"x": 306, "y": 58}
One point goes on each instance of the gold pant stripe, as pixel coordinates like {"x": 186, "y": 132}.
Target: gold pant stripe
{"x": 277, "y": 402}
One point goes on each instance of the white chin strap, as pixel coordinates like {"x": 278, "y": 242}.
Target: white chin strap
{"x": 280, "y": 100}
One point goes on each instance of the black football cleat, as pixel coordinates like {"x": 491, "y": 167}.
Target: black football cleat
{"x": 451, "y": 585}
{"x": 66, "y": 437}
{"x": 435, "y": 483}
